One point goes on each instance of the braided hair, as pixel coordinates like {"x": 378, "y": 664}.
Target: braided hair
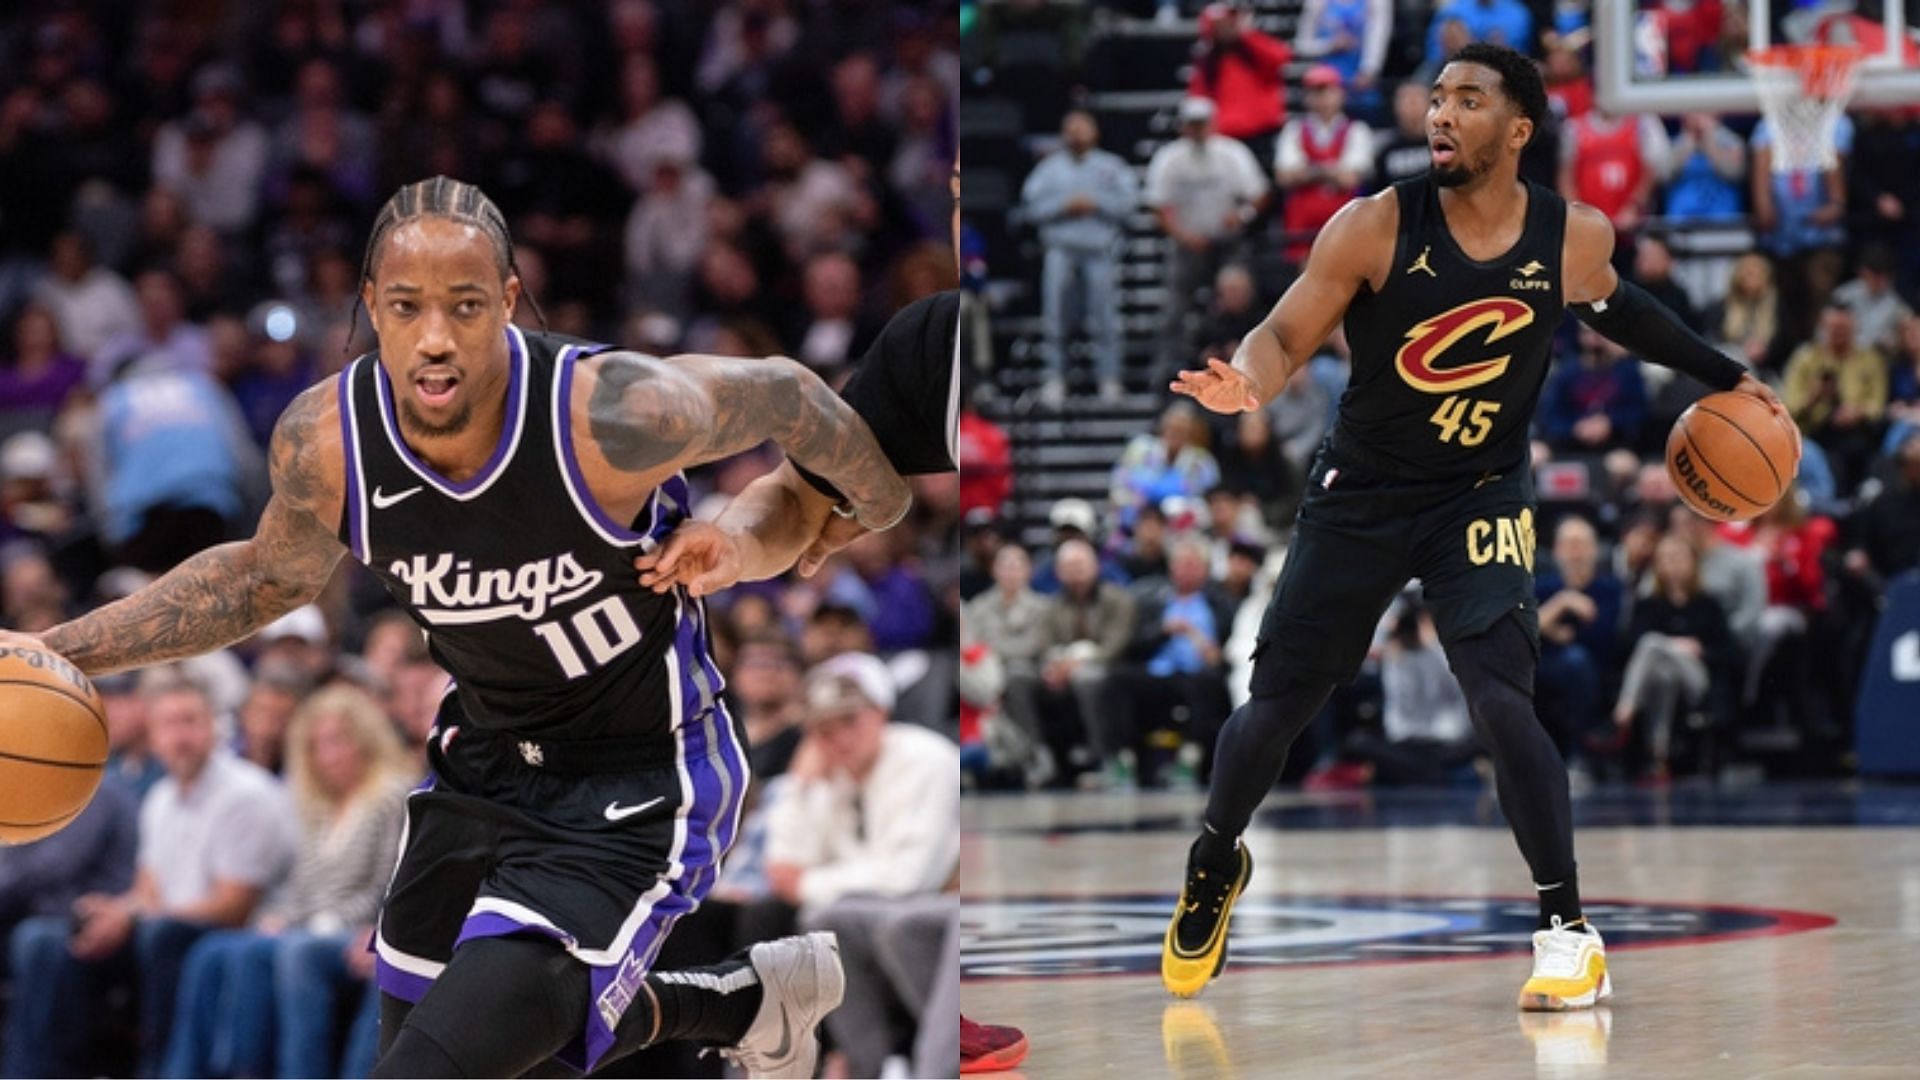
{"x": 442, "y": 197}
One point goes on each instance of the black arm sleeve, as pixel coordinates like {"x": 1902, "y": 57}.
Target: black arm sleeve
{"x": 1651, "y": 331}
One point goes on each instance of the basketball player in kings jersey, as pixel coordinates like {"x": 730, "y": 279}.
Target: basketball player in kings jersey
{"x": 1451, "y": 285}
{"x": 585, "y": 775}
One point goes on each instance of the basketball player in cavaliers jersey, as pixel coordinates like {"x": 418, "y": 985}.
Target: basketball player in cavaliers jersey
{"x": 585, "y": 776}
{"x": 1451, "y": 285}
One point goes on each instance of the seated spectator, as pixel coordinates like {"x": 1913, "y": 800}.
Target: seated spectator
{"x": 763, "y": 688}
{"x": 92, "y": 303}
{"x": 163, "y": 340}
{"x": 1748, "y": 319}
{"x": 1089, "y": 623}
{"x": 1174, "y": 462}
{"x": 1323, "y": 158}
{"x": 1730, "y": 574}
{"x": 1877, "y": 309}
{"x": 254, "y": 999}
{"x": 1404, "y": 152}
{"x": 1612, "y": 164}
{"x": 1234, "y": 312}
{"x": 1144, "y": 555}
{"x": 1793, "y": 544}
{"x": 1256, "y": 462}
{"x": 653, "y": 128}
{"x": 814, "y": 204}
{"x": 1903, "y": 380}
{"x": 832, "y": 329}
{"x": 903, "y": 609}
{"x": 1884, "y": 539}
{"x": 1012, "y": 621}
{"x": 92, "y": 855}
{"x": 1836, "y": 389}
{"x": 667, "y": 232}
{"x": 1237, "y": 67}
{"x": 1680, "y": 644}
{"x": 1653, "y": 271}
{"x": 1595, "y": 403}
{"x": 1173, "y": 671}
{"x": 980, "y": 541}
{"x": 267, "y": 715}
{"x": 1709, "y": 171}
{"x": 129, "y": 759}
{"x": 1349, "y": 36}
{"x": 1428, "y": 732}
{"x": 1580, "y": 608}
{"x": 862, "y": 834}
{"x": 215, "y": 836}
{"x": 214, "y": 157}
{"x": 986, "y": 464}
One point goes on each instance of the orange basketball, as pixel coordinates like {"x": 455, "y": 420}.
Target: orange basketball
{"x": 53, "y": 743}
{"x": 1731, "y": 457}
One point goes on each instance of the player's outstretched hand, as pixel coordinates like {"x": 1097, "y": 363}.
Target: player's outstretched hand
{"x": 1749, "y": 384}
{"x": 836, "y": 534}
{"x": 1220, "y": 387}
{"x": 698, "y": 555}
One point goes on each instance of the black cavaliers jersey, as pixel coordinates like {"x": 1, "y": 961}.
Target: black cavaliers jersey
{"x": 1450, "y": 354}
{"x": 524, "y": 585}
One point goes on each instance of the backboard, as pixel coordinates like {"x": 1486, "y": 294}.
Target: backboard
{"x": 1634, "y": 55}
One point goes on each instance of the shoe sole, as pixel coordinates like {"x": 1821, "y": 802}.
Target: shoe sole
{"x": 1185, "y": 984}
{"x": 997, "y": 1060}
{"x": 1550, "y": 1003}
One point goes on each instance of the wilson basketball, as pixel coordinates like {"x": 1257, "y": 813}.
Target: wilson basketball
{"x": 53, "y": 743}
{"x": 1731, "y": 457}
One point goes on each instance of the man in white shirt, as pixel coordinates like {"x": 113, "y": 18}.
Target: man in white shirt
{"x": 1206, "y": 189}
{"x": 215, "y": 835}
{"x": 90, "y": 302}
{"x": 862, "y": 839}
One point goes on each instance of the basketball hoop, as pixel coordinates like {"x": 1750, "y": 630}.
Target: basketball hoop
{"x": 1803, "y": 90}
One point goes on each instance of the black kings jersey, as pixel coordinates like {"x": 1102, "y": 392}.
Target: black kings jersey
{"x": 524, "y": 585}
{"x": 1450, "y": 354}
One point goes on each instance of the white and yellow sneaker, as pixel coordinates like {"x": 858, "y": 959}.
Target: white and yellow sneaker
{"x": 1569, "y": 969}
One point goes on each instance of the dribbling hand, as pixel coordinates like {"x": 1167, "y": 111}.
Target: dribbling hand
{"x": 1748, "y": 384}
{"x": 1221, "y": 387}
{"x": 698, "y": 555}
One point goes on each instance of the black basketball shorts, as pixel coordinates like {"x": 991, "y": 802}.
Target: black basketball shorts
{"x": 1361, "y": 535}
{"x": 510, "y": 836}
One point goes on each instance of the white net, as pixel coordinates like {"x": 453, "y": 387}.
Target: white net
{"x": 1803, "y": 90}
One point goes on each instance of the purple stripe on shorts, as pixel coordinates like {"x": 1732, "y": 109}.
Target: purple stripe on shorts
{"x": 350, "y": 439}
{"x": 401, "y": 984}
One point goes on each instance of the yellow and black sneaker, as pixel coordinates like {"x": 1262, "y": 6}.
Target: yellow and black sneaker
{"x": 1196, "y": 945}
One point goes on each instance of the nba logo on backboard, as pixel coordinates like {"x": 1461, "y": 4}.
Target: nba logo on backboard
{"x": 1650, "y": 45}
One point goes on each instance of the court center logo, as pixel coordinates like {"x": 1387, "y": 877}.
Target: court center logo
{"x": 1080, "y": 936}
{"x": 1431, "y": 338}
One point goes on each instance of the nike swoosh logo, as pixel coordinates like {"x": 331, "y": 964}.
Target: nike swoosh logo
{"x": 616, "y": 812}
{"x": 781, "y": 1051}
{"x": 382, "y": 501}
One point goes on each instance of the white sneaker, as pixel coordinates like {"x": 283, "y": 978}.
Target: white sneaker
{"x": 1569, "y": 969}
{"x": 1112, "y": 390}
{"x": 1053, "y": 392}
{"x": 801, "y": 982}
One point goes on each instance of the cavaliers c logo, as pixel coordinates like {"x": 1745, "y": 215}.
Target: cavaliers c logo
{"x": 1429, "y": 339}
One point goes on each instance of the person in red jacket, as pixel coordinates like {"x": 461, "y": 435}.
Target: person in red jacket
{"x": 1238, "y": 67}
{"x": 986, "y": 464}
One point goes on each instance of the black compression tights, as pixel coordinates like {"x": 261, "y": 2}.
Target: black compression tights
{"x": 1495, "y": 670}
{"x": 505, "y": 1005}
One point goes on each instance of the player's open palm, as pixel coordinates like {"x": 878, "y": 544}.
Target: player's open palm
{"x": 1220, "y": 387}
{"x": 698, "y": 555}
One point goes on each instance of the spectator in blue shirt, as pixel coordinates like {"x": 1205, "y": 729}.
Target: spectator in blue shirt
{"x": 1502, "y": 22}
{"x": 1595, "y": 403}
{"x": 1079, "y": 196}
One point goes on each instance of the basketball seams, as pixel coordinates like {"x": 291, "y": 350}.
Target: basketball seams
{"x": 1779, "y": 486}
{"x": 1686, "y": 436}
{"x": 98, "y": 717}
{"x": 61, "y": 820}
{"x": 71, "y": 697}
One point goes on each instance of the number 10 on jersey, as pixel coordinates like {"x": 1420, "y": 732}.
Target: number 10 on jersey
{"x": 607, "y": 629}
{"x": 1471, "y": 420}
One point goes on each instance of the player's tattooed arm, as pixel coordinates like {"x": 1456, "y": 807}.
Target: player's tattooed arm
{"x": 647, "y": 414}
{"x": 227, "y": 592}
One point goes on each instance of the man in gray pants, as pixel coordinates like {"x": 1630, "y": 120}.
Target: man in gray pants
{"x": 1080, "y": 196}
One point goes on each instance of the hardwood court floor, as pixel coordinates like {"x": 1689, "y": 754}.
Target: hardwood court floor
{"x": 1770, "y": 932}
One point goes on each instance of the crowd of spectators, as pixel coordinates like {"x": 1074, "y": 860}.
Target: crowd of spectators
{"x": 1669, "y": 645}
{"x": 184, "y": 201}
